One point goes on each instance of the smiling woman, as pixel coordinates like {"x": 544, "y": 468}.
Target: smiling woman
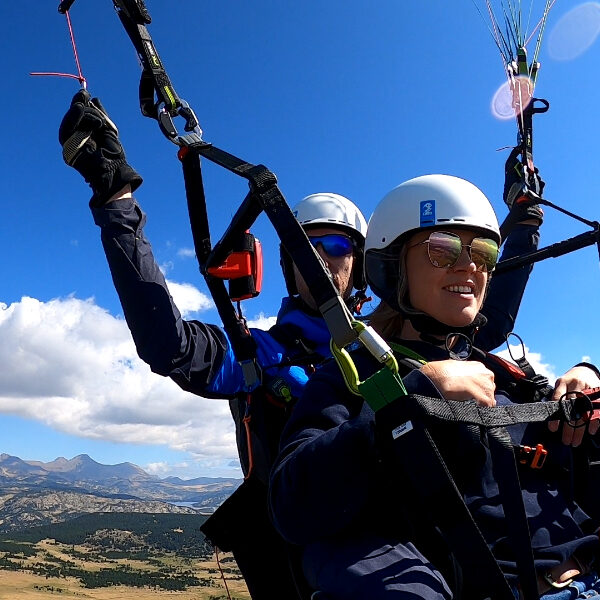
{"x": 361, "y": 486}
{"x": 416, "y": 270}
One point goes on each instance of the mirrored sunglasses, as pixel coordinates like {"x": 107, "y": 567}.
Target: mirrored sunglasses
{"x": 444, "y": 250}
{"x": 333, "y": 244}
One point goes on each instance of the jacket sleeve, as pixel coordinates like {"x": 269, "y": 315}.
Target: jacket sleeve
{"x": 190, "y": 352}
{"x": 506, "y": 289}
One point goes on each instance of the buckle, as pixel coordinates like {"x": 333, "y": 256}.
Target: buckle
{"x": 533, "y": 457}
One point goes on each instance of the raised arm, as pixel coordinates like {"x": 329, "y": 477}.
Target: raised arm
{"x": 520, "y": 231}
{"x": 190, "y": 352}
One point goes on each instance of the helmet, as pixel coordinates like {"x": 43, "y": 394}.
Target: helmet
{"x": 329, "y": 210}
{"x": 334, "y": 210}
{"x": 427, "y": 202}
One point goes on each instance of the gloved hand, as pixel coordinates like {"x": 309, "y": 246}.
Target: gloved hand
{"x": 91, "y": 145}
{"x": 518, "y": 181}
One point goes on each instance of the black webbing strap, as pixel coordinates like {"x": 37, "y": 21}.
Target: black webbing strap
{"x": 507, "y": 475}
{"x": 154, "y": 80}
{"x": 471, "y": 413}
{"x": 243, "y": 344}
{"x": 436, "y": 494}
{"x": 265, "y": 196}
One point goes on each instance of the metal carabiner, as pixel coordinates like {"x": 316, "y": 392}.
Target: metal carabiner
{"x": 167, "y": 125}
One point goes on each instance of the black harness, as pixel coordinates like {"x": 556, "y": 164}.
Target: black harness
{"x": 242, "y": 524}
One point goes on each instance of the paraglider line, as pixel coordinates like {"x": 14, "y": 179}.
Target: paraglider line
{"x": 79, "y": 75}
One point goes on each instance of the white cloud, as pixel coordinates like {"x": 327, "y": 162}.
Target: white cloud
{"x": 261, "y": 321}
{"x": 158, "y": 469}
{"x": 71, "y": 365}
{"x": 166, "y": 266}
{"x": 188, "y": 298}
{"x": 186, "y": 253}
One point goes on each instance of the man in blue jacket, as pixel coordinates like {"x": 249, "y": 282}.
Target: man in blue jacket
{"x": 199, "y": 356}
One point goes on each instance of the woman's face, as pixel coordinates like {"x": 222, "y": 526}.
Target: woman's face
{"x": 452, "y": 295}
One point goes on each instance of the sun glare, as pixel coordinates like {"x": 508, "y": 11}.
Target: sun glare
{"x": 575, "y": 32}
{"x": 505, "y": 104}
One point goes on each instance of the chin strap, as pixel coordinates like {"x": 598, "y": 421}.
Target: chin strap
{"x": 428, "y": 327}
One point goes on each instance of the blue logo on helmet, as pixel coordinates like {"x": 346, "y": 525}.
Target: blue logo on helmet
{"x": 427, "y": 213}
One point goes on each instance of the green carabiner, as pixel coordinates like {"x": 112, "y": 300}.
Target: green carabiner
{"x": 382, "y": 387}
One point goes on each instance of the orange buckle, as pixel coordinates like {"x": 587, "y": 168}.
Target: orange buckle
{"x": 535, "y": 457}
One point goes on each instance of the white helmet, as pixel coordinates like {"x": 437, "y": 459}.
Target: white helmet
{"x": 331, "y": 209}
{"x": 430, "y": 201}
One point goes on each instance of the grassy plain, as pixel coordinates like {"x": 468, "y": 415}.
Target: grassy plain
{"x": 25, "y": 583}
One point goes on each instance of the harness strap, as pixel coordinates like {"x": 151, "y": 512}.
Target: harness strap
{"x": 265, "y": 196}
{"x": 507, "y": 475}
{"x": 435, "y": 486}
{"x": 242, "y": 342}
{"x": 303, "y": 351}
{"x": 471, "y": 413}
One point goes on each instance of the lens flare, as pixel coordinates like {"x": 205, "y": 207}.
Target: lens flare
{"x": 505, "y": 104}
{"x": 575, "y": 32}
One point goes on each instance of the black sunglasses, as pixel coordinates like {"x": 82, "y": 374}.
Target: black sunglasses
{"x": 444, "y": 250}
{"x": 334, "y": 244}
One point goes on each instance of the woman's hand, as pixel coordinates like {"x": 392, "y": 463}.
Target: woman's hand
{"x": 575, "y": 380}
{"x": 462, "y": 380}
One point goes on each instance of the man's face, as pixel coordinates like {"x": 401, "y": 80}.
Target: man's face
{"x": 340, "y": 267}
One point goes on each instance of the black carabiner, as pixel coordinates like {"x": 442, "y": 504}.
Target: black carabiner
{"x": 64, "y": 6}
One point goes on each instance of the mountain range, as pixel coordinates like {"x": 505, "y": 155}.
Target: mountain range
{"x": 37, "y": 493}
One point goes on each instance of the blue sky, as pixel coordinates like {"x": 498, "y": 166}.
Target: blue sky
{"x": 346, "y": 96}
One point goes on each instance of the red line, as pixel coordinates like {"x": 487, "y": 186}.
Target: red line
{"x": 79, "y": 75}
{"x": 75, "y": 53}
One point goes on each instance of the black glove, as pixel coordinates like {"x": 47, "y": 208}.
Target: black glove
{"x": 91, "y": 145}
{"x": 522, "y": 189}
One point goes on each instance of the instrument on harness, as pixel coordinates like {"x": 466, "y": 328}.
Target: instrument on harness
{"x": 243, "y": 268}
